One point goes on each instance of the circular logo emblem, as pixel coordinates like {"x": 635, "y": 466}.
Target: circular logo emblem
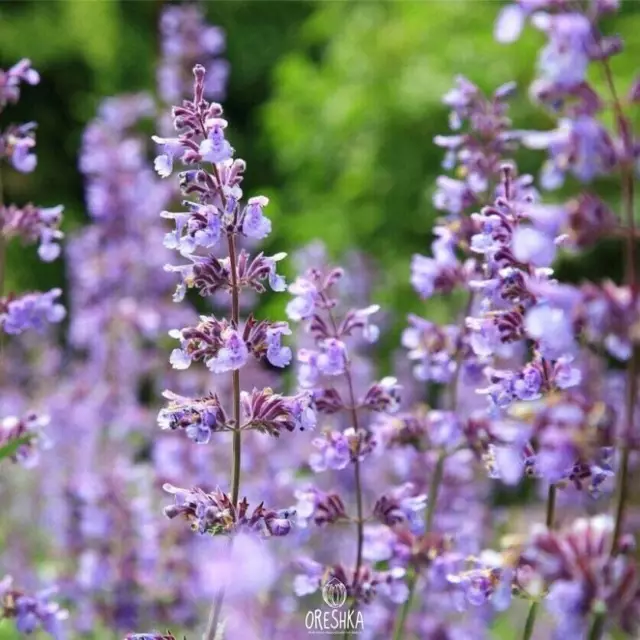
{"x": 334, "y": 593}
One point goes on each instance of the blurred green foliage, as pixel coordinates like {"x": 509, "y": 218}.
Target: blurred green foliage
{"x": 333, "y": 104}
{"x": 357, "y": 105}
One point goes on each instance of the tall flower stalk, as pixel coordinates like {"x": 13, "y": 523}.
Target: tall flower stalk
{"x": 212, "y": 178}
{"x": 337, "y": 333}
{"x": 33, "y": 310}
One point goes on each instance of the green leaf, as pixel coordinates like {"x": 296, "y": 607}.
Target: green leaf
{"x": 10, "y": 448}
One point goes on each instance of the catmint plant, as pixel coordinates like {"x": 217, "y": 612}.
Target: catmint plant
{"x": 215, "y": 215}
{"x": 31, "y": 612}
{"x": 31, "y": 224}
{"x": 346, "y": 401}
{"x": 22, "y": 437}
{"x": 547, "y": 416}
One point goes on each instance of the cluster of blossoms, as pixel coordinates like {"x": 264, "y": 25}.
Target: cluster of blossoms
{"x": 22, "y": 438}
{"x": 346, "y": 400}
{"x": 187, "y": 40}
{"x": 525, "y": 342}
{"x": 33, "y": 310}
{"x": 216, "y": 216}
{"x": 100, "y": 508}
{"x": 31, "y": 611}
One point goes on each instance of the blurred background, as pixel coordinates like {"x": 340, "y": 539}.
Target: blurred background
{"x": 333, "y": 104}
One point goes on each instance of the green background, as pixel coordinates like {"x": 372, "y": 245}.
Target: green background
{"x": 334, "y": 106}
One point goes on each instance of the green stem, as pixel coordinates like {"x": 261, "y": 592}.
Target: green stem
{"x": 597, "y": 629}
{"x": 434, "y": 489}
{"x": 549, "y": 521}
{"x": 531, "y": 621}
{"x": 627, "y": 179}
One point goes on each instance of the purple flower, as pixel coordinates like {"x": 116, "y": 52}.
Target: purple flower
{"x": 509, "y": 23}
{"x": 308, "y": 372}
{"x": 565, "y": 58}
{"x": 199, "y": 417}
{"x": 276, "y": 281}
{"x": 304, "y": 416}
{"x": 552, "y": 328}
{"x": 278, "y": 355}
{"x": 33, "y": 612}
{"x": 215, "y": 147}
{"x": 187, "y": 39}
{"x": 302, "y": 306}
{"x": 31, "y": 311}
{"x": 310, "y": 579}
{"x": 232, "y": 355}
{"x": 580, "y": 145}
{"x": 333, "y": 357}
{"x": 10, "y": 80}
{"x": 334, "y": 452}
{"x": 583, "y": 577}
{"x": 22, "y": 158}
{"x": 172, "y": 150}
{"x": 254, "y": 224}
{"x": 531, "y": 246}
{"x": 401, "y": 505}
{"x": 452, "y": 195}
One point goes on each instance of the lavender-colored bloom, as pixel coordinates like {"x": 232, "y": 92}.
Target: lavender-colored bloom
{"x": 187, "y": 39}
{"x": 32, "y": 612}
{"x": 580, "y": 145}
{"x": 31, "y": 224}
{"x": 302, "y": 305}
{"x": 334, "y": 452}
{"x": 172, "y": 149}
{"x": 309, "y": 580}
{"x": 565, "y": 58}
{"x": 401, "y": 505}
{"x": 31, "y": 311}
{"x": 21, "y": 157}
{"x": 11, "y": 79}
{"x": 232, "y": 355}
{"x": 583, "y": 577}
{"x": 552, "y": 329}
{"x": 215, "y": 514}
{"x": 438, "y": 274}
{"x": 28, "y": 433}
{"x": 278, "y": 355}
{"x": 199, "y": 418}
{"x": 215, "y": 148}
{"x": 333, "y": 357}
{"x": 254, "y": 224}
{"x": 533, "y": 246}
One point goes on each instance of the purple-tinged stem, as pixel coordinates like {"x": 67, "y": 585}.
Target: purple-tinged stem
{"x": 214, "y": 615}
